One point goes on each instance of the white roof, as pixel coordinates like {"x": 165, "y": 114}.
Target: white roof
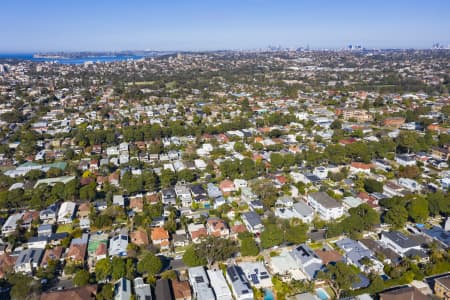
{"x": 219, "y": 284}
{"x": 67, "y": 209}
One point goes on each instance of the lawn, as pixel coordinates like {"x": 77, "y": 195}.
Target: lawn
{"x": 64, "y": 228}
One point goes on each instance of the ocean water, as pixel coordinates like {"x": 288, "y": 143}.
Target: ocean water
{"x": 70, "y": 61}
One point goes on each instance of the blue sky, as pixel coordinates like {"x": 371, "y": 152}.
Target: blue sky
{"x": 218, "y": 24}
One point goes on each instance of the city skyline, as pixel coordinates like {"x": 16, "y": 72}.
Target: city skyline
{"x": 204, "y": 25}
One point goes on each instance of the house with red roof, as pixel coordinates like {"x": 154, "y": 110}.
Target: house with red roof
{"x": 359, "y": 167}
{"x": 217, "y": 227}
{"x": 227, "y": 186}
{"x": 139, "y": 237}
{"x": 160, "y": 237}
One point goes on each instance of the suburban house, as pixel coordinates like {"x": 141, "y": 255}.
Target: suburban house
{"x": 307, "y": 260}
{"x": 77, "y": 250}
{"x": 119, "y": 200}
{"x": 401, "y": 243}
{"x": 405, "y": 160}
{"x": 45, "y": 230}
{"x": 169, "y": 196}
{"x": 257, "y": 274}
{"x": 299, "y": 210}
{"x": 217, "y": 227}
{"x": 200, "y": 284}
{"x": 139, "y": 237}
{"x": 51, "y": 254}
{"x": 10, "y": 225}
{"x": 219, "y": 285}
{"x": 122, "y": 289}
{"x": 181, "y": 290}
{"x": 213, "y": 191}
{"x": 355, "y": 252}
{"x": 160, "y": 236}
{"x": 141, "y": 289}
{"x": 66, "y": 212}
{"x": 405, "y": 292}
{"x": 87, "y": 292}
{"x": 358, "y": 167}
{"x": 239, "y": 284}
{"x": 227, "y": 186}
{"x": 28, "y": 260}
{"x": 162, "y": 289}
{"x": 442, "y": 287}
{"x": 392, "y": 189}
{"x": 48, "y": 215}
{"x": 442, "y": 153}
{"x": 253, "y": 222}
{"x": 410, "y": 184}
{"x": 197, "y": 232}
{"x": 325, "y": 206}
{"x": 84, "y": 210}
{"x": 118, "y": 245}
{"x": 183, "y": 192}
{"x": 97, "y": 247}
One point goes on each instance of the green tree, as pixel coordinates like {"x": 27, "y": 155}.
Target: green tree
{"x": 249, "y": 246}
{"x": 276, "y": 160}
{"x": 296, "y": 233}
{"x": 336, "y": 124}
{"x": 106, "y": 292}
{"x": 81, "y": 278}
{"x": 372, "y": 185}
{"x": 168, "y": 178}
{"x": 88, "y": 192}
{"x": 396, "y": 216}
{"x": 118, "y": 268}
{"x": 192, "y": 259}
{"x": 216, "y": 249}
{"x": 103, "y": 269}
{"x": 418, "y": 209}
{"x": 187, "y": 175}
{"x": 271, "y": 236}
{"x": 438, "y": 203}
{"x": 340, "y": 276}
{"x": 239, "y": 147}
{"x": 151, "y": 180}
{"x": 150, "y": 264}
{"x": 23, "y": 287}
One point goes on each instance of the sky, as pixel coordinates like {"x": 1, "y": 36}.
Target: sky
{"x": 112, "y": 25}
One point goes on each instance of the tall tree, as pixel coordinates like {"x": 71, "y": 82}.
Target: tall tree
{"x": 150, "y": 264}
{"x": 340, "y": 277}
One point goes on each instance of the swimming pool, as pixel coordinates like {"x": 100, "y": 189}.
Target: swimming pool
{"x": 323, "y": 295}
{"x": 268, "y": 295}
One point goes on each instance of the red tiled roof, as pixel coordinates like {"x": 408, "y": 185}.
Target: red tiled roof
{"x": 159, "y": 233}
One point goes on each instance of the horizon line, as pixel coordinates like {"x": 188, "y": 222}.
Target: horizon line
{"x": 281, "y": 48}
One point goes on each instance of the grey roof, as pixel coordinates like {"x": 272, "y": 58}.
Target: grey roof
{"x": 401, "y": 239}
{"x": 200, "y": 283}
{"x": 142, "y": 290}
{"x": 30, "y": 255}
{"x": 307, "y": 259}
{"x": 439, "y": 234}
{"x": 325, "y": 200}
{"x": 239, "y": 282}
{"x": 162, "y": 290}
{"x": 354, "y": 251}
{"x": 35, "y": 239}
{"x": 303, "y": 209}
{"x": 45, "y": 227}
{"x": 377, "y": 248}
{"x": 252, "y": 218}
